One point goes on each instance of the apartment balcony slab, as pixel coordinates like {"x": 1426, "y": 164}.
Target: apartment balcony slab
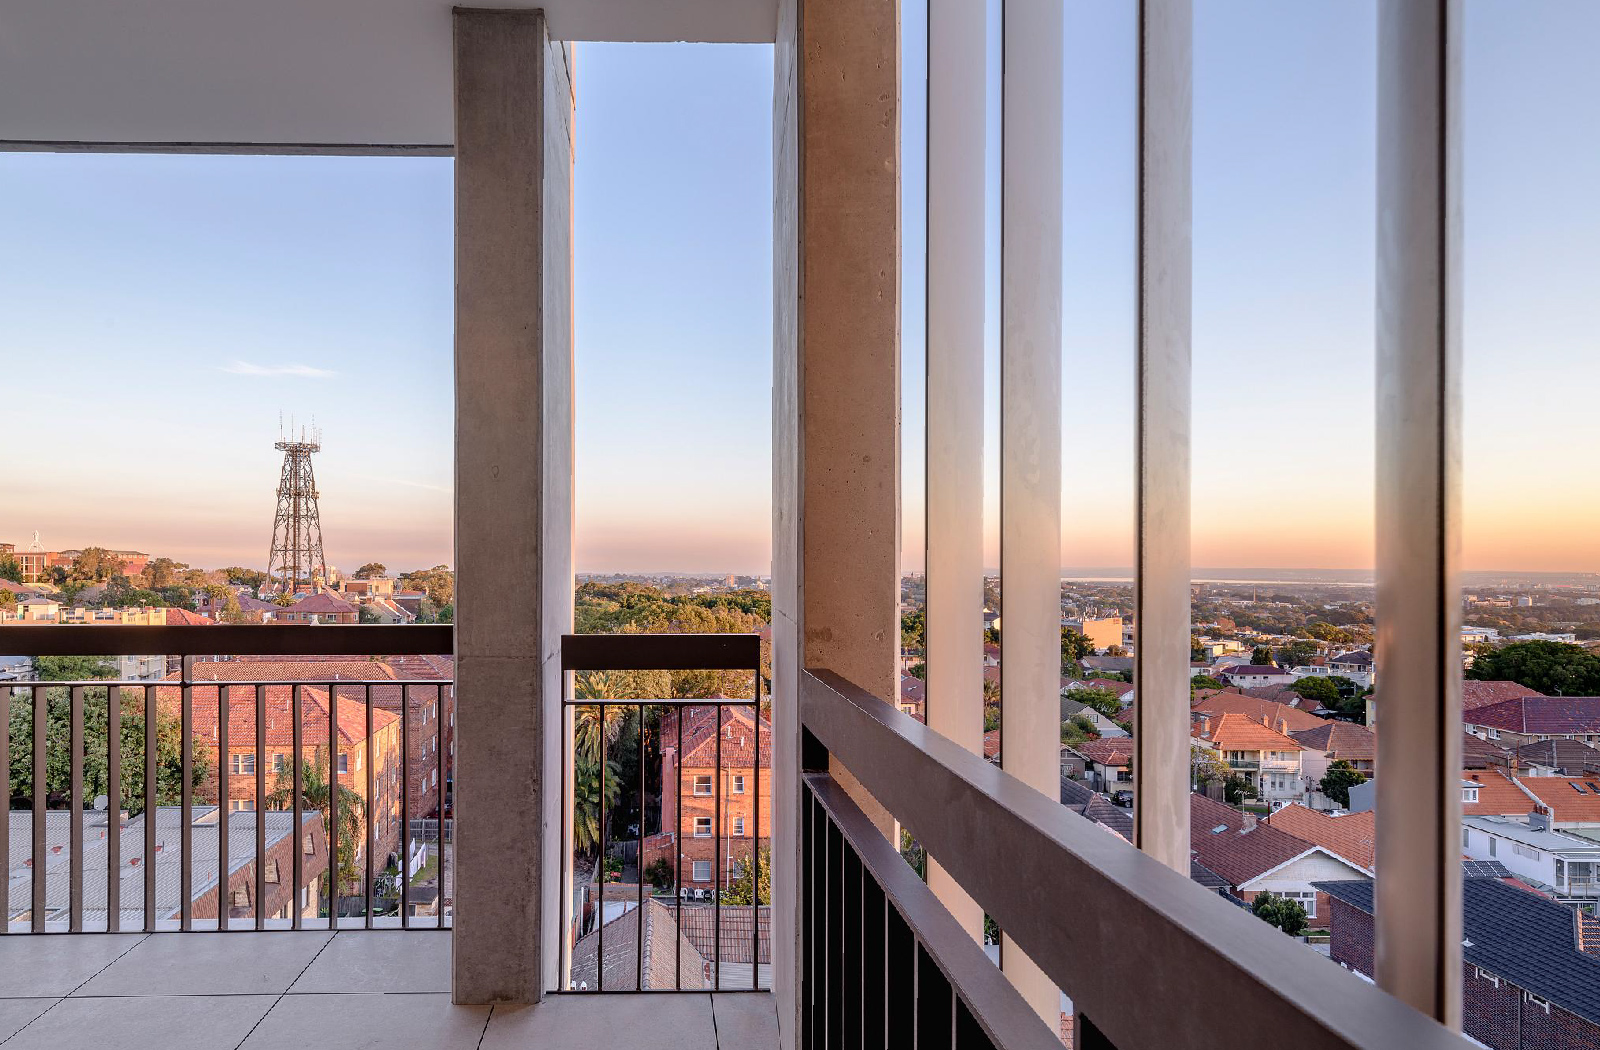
{"x": 388, "y": 989}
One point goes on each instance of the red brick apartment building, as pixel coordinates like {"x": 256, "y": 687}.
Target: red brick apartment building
{"x": 1531, "y": 969}
{"x": 431, "y": 709}
{"x": 745, "y": 782}
{"x": 355, "y": 750}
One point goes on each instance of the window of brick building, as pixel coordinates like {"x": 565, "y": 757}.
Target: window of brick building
{"x": 702, "y": 827}
{"x": 702, "y": 783}
{"x": 702, "y": 871}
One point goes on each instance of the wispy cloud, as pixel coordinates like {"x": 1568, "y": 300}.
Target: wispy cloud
{"x": 245, "y": 368}
{"x": 407, "y": 484}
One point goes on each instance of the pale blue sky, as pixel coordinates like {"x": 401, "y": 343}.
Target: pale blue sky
{"x": 141, "y": 297}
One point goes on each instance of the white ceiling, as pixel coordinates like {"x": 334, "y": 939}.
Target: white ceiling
{"x": 283, "y": 72}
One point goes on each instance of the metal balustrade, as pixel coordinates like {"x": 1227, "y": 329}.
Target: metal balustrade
{"x": 884, "y": 964}
{"x": 585, "y": 933}
{"x": 232, "y": 854}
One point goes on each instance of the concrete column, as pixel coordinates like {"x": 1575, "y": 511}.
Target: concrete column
{"x": 1418, "y": 892}
{"x": 513, "y": 495}
{"x": 957, "y": 90}
{"x": 836, "y": 390}
{"x": 1161, "y": 574}
{"x": 1030, "y": 422}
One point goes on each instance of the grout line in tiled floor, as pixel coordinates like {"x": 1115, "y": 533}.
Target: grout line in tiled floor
{"x": 136, "y": 942}
{"x": 285, "y": 993}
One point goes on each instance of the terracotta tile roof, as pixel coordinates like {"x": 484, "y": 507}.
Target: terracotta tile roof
{"x": 1571, "y": 799}
{"x": 700, "y": 738}
{"x": 913, "y": 690}
{"x": 1238, "y": 733}
{"x": 1541, "y": 715}
{"x": 1108, "y": 751}
{"x": 1482, "y": 694}
{"x": 1346, "y": 740}
{"x": 1569, "y": 756}
{"x": 991, "y": 744}
{"x": 1497, "y": 795}
{"x": 186, "y": 618}
{"x": 1219, "y": 841}
{"x": 1232, "y": 702}
{"x": 1478, "y": 753}
{"x": 280, "y": 700}
{"x": 1353, "y": 836}
{"x": 322, "y": 603}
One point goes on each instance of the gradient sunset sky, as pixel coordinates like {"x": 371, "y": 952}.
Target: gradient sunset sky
{"x": 158, "y": 313}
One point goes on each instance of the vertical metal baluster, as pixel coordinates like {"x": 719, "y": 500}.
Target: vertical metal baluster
{"x": 224, "y": 762}
{"x": 405, "y": 807}
{"x": 150, "y": 797}
{"x": 75, "y": 815}
{"x": 639, "y": 858}
{"x": 600, "y": 928}
{"x": 755, "y": 847}
{"x": 113, "y": 810}
{"x": 677, "y": 844}
{"x": 333, "y": 806}
{"x": 716, "y": 864}
{"x": 261, "y": 809}
{"x": 5, "y": 808}
{"x": 41, "y": 855}
{"x": 299, "y": 827}
{"x": 186, "y": 806}
{"x": 438, "y": 747}
{"x": 564, "y": 965}
{"x": 369, "y": 809}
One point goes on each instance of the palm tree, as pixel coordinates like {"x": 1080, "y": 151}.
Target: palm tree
{"x": 587, "y": 727}
{"x": 315, "y": 794}
{"x": 586, "y": 802}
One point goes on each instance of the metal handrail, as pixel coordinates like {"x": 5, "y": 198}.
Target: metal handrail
{"x": 1110, "y": 925}
{"x": 266, "y": 639}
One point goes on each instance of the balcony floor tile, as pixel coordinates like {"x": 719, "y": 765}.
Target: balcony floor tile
{"x": 398, "y": 961}
{"x": 370, "y": 1020}
{"x": 196, "y": 1022}
{"x": 245, "y": 963}
{"x": 55, "y": 964}
{"x": 581, "y": 1022}
{"x": 16, "y": 1013}
{"x": 746, "y": 1021}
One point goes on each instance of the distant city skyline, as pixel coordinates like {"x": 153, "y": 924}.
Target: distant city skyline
{"x": 158, "y": 313}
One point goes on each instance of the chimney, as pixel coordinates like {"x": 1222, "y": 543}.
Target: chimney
{"x": 1283, "y": 726}
{"x": 1249, "y": 823}
{"x": 1205, "y": 726}
{"x": 1266, "y": 721}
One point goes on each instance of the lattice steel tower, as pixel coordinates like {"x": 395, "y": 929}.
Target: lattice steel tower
{"x": 296, "y": 560}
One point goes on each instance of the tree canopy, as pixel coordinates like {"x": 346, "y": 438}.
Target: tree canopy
{"x": 1339, "y": 779}
{"x": 1552, "y": 668}
{"x": 58, "y": 757}
{"x": 1287, "y": 915}
{"x": 370, "y": 569}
